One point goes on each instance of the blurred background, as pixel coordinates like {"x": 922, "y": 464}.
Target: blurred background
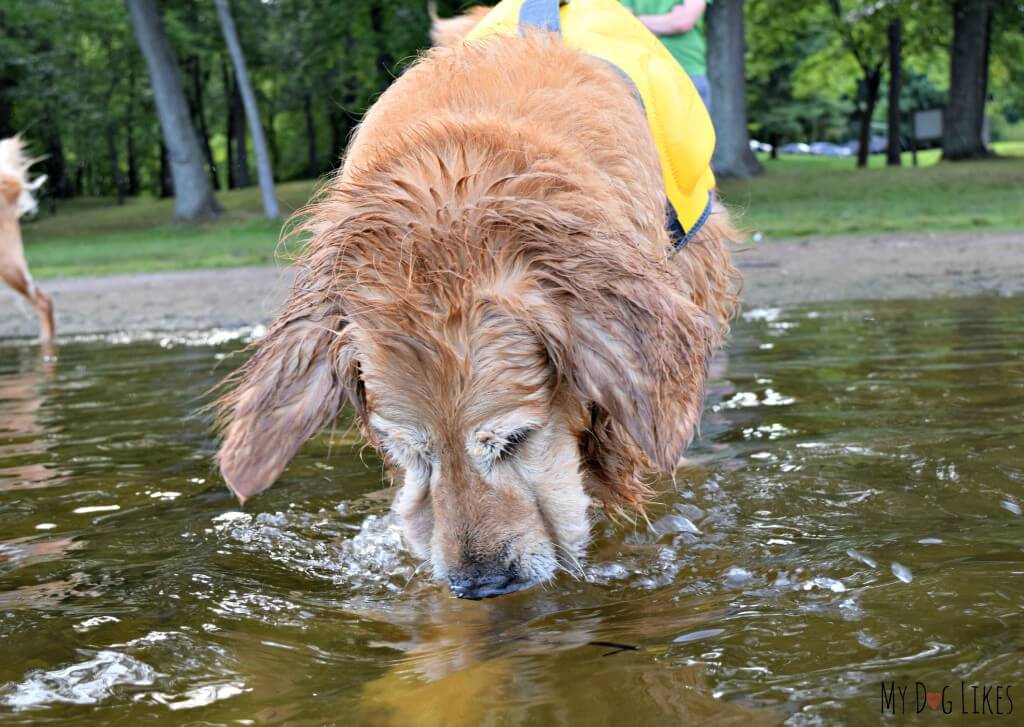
{"x": 812, "y": 100}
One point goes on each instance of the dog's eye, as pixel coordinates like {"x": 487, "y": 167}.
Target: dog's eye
{"x": 513, "y": 440}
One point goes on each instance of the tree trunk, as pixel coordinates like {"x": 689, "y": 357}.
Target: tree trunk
{"x": 229, "y": 123}
{"x": 132, "y": 184}
{"x": 241, "y": 145}
{"x": 263, "y": 169}
{"x": 133, "y": 159}
{"x": 166, "y": 178}
{"x": 115, "y": 163}
{"x": 241, "y": 141}
{"x": 727, "y": 73}
{"x": 893, "y": 157}
{"x": 984, "y": 77}
{"x": 193, "y": 197}
{"x": 872, "y": 82}
{"x": 312, "y": 163}
{"x": 6, "y": 108}
{"x": 964, "y": 122}
{"x": 55, "y": 163}
{"x": 275, "y": 152}
{"x": 199, "y": 119}
{"x": 336, "y": 119}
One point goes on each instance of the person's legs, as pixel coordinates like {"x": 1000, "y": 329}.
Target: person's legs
{"x": 704, "y": 89}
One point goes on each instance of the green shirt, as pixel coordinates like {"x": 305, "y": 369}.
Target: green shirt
{"x": 688, "y": 48}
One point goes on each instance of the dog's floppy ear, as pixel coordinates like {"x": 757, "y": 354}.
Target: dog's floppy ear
{"x": 293, "y": 385}
{"x": 640, "y": 352}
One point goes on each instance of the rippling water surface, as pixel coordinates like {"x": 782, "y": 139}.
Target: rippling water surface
{"x": 853, "y": 514}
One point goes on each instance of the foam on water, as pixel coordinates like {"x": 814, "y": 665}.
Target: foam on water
{"x": 199, "y": 696}
{"x": 902, "y": 572}
{"x": 86, "y": 682}
{"x": 209, "y": 337}
{"x": 373, "y": 558}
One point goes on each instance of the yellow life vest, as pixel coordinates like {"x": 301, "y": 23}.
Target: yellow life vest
{"x": 678, "y": 119}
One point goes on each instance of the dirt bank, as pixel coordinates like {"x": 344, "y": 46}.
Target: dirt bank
{"x": 879, "y": 267}
{"x": 181, "y": 300}
{"x": 777, "y": 273}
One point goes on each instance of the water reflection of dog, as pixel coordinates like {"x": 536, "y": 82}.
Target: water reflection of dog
{"x": 22, "y": 398}
{"x": 465, "y": 668}
{"x": 16, "y": 200}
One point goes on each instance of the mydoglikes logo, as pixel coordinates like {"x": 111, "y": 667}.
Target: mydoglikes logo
{"x": 963, "y": 698}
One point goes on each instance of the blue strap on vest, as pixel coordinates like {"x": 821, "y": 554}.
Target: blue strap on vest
{"x": 542, "y": 14}
{"x": 545, "y": 15}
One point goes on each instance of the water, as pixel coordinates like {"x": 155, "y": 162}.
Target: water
{"x": 852, "y": 515}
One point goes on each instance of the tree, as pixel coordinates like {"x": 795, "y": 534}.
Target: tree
{"x": 263, "y": 169}
{"x": 860, "y": 31}
{"x": 892, "y": 155}
{"x": 964, "y": 122}
{"x": 1006, "y": 74}
{"x": 193, "y": 195}
{"x": 234, "y": 136}
{"x": 194, "y": 95}
{"x": 73, "y": 80}
{"x": 790, "y": 61}
{"x": 6, "y": 109}
{"x": 727, "y": 74}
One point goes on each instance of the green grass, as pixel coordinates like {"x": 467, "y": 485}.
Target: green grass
{"x": 812, "y": 196}
{"x": 97, "y": 237}
{"x": 797, "y": 196}
{"x": 1010, "y": 148}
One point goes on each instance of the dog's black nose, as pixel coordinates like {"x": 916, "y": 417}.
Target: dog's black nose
{"x": 476, "y": 587}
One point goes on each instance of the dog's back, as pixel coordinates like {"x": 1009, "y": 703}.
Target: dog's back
{"x": 534, "y": 98}
{"x": 530, "y": 97}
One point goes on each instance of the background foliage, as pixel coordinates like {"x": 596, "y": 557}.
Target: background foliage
{"x": 72, "y": 78}
{"x": 73, "y": 81}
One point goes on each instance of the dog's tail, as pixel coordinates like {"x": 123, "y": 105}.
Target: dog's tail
{"x": 14, "y": 164}
{"x": 449, "y": 32}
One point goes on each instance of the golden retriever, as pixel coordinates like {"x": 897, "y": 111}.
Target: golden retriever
{"x": 16, "y": 200}
{"x": 490, "y": 284}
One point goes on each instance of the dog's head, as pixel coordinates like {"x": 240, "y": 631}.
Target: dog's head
{"x": 511, "y": 363}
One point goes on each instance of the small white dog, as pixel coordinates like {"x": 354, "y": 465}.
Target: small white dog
{"x": 16, "y": 200}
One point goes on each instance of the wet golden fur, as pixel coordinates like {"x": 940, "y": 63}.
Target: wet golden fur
{"x": 16, "y": 200}
{"x": 492, "y": 259}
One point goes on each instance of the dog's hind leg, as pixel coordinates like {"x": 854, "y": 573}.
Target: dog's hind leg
{"x": 18, "y": 278}
{"x": 44, "y": 309}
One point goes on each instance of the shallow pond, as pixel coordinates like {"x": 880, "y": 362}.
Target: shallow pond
{"x": 852, "y": 516}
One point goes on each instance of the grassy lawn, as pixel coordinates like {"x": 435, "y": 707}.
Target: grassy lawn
{"x": 801, "y": 196}
{"x": 797, "y": 196}
{"x": 96, "y": 237}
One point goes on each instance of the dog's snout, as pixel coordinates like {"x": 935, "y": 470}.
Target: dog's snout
{"x": 475, "y": 586}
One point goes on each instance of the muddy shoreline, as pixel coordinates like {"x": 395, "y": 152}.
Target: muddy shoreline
{"x": 777, "y": 273}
